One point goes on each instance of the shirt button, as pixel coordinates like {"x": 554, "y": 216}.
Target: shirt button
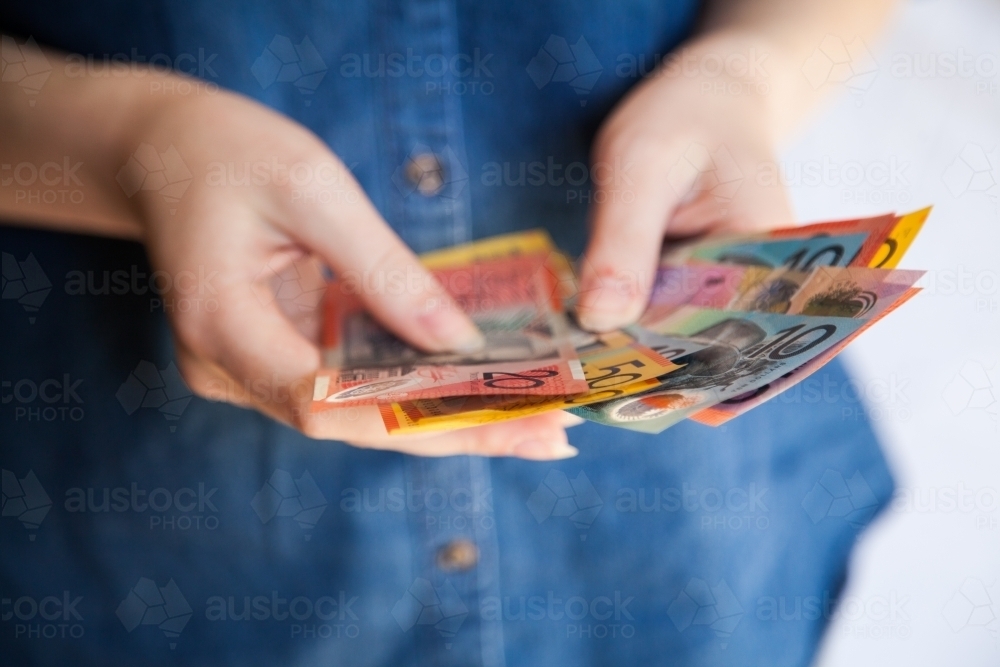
{"x": 458, "y": 556}
{"x": 426, "y": 172}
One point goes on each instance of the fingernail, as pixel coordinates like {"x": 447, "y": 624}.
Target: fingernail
{"x": 451, "y": 330}
{"x": 541, "y": 450}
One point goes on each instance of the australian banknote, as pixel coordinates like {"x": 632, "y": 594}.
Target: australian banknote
{"x": 742, "y": 351}
{"x": 735, "y": 406}
{"x": 614, "y": 365}
{"x": 507, "y": 288}
{"x": 829, "y": 291}
{"x": 840, "y": 243}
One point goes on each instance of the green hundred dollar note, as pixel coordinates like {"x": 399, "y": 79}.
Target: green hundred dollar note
{"x": 735, "y": 353}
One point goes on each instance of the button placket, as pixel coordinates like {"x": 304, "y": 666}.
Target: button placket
{"x": 428, "y": 204}
{"x": 456, "y": 550}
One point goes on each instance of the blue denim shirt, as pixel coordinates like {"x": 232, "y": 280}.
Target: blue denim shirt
{"x": 142, "y": 525}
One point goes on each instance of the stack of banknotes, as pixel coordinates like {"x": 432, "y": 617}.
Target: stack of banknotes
{"x": 732, "y": 321}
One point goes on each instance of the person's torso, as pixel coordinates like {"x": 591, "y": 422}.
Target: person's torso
{"x": 505, "y": 95}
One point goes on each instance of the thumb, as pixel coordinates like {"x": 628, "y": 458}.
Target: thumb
{"x": 627, "y": 226}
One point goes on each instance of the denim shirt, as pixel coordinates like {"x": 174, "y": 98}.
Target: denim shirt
{"x": 142, "y": 525}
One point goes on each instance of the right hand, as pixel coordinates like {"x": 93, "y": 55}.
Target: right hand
{"x": 258, "y": 349}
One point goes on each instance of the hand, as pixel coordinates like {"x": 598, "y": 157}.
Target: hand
{"x": 268, "y": 203}
{"x": 682, "y": 154}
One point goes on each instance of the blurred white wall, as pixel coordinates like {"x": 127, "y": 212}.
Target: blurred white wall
{"x": 921, "y": 125}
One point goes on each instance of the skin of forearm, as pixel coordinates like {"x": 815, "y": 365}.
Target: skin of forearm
{"x": 787, "y": 32}
{"x": 76, "y": 136}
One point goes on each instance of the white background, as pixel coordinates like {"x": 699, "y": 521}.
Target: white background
{"x": 924, "y": 587}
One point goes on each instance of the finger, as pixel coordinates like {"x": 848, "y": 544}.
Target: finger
{"x": 695, "y": 216}
{"x": 740, "y": 205}
{"x": 522, "y": 438}
{"x": 758, "y": 207}
{"x": 208, "y": 380}
{"x": 627, "y": 228}
{"x": 293, "y": 279}
{"x": 364, "y": 252}
{"x": 569, "y": 420}
{"x": 246, "y": 343}
{"x": 539, "y": 437}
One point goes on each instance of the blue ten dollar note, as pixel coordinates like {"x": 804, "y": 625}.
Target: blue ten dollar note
{"x": 799, "y": 254}
{"x": 734, "y": 353}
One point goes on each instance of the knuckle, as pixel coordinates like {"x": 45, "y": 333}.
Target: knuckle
{"x": 628, "y": 144}
{"x": 198, "y": 381}
{"x": 325, "y": 425}
{"x": 312, "y": 428}
{"x": 390, "y": 258}
{"x": 191, "y": 334}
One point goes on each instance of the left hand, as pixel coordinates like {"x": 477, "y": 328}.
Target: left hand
{"x": 682, "y": 154}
